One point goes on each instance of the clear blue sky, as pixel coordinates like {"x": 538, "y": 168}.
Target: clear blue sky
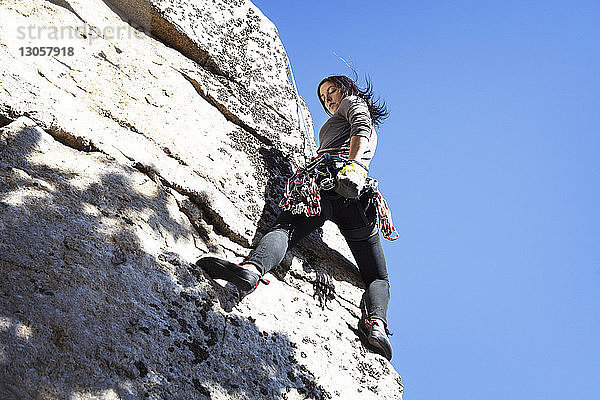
{"x": 491, "y": 164}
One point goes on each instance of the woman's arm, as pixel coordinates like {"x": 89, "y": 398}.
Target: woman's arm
{"x": 358, "y": 145}
{"x": 351, "y": 178}
{"x": 355, "y": 110}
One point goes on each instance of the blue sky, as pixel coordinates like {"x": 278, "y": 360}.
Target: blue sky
{"x": 491, "y": 164}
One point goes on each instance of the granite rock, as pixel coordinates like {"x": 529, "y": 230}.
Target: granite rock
{"x": 166, "y": 136}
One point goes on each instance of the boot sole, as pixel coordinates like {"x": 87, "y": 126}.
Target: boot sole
{"x": 221, "y": 269}
{"x": 374, "y": 345}
{"x": 381, "y": 350}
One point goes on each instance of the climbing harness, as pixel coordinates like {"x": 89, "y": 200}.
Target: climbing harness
{"x": 384, "y": 213}
{"x": 302, "y": 193}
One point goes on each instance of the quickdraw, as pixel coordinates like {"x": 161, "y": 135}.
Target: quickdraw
{"x": 303, "y": 194}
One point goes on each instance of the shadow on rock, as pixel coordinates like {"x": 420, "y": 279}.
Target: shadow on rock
{"x": 91, "y": 307}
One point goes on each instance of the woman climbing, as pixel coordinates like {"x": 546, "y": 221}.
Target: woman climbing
{"x": 334, "y": 186}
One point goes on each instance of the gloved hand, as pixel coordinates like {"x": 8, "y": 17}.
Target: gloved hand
{"x": 350, "y": 180}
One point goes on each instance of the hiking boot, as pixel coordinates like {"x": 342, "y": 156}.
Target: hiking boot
{"x": 241, "y": 277}
{"x": 374, "y": 332}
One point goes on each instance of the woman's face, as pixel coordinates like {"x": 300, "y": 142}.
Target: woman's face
{"x": 331, "y": 96}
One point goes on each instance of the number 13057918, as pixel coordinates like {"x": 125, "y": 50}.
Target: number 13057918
{"x": 46, "y": 51}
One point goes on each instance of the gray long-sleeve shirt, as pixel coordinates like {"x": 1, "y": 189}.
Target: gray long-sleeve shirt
{"x": 352, "y": 118}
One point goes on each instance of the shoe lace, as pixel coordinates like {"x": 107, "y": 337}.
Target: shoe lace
{"x": 260, "y": 277}
{"x": 373, "y": 321}
{"x": 263, "y": 280}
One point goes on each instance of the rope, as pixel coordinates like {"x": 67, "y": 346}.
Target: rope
{"x": 302, "y": 195}
{"x": 385, "y": 219}
{"x": 301, "y": 121}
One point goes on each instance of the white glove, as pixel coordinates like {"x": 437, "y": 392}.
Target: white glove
{"x": 350, "y": 180}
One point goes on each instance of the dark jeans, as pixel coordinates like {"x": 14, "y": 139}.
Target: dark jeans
{"x": 357, "y": 221}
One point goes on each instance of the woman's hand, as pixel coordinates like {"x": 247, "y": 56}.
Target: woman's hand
{"x": 350, "y": 180}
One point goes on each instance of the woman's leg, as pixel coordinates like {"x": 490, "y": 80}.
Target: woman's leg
{"x": 269, "y": 252}
{"x": 286, "y": 232}
{"x": 370, "y": 260}
{"x": 357, "y": 220}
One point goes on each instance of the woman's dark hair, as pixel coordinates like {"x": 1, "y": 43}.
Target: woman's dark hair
{"x": 377, "y": 107}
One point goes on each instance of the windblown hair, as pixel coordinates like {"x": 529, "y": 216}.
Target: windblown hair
{"x": 377, "y": 107}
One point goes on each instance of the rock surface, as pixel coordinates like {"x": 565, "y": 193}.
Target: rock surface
{"x": 164, "y": 137}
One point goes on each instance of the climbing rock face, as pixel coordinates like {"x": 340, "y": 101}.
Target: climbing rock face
{"x": 162, "y": 132}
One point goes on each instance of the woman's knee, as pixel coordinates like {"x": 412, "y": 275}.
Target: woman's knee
{"x": 277, "y": 237}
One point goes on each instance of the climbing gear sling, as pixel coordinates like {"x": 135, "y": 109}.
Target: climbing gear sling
{"x": 302, "y": 193}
